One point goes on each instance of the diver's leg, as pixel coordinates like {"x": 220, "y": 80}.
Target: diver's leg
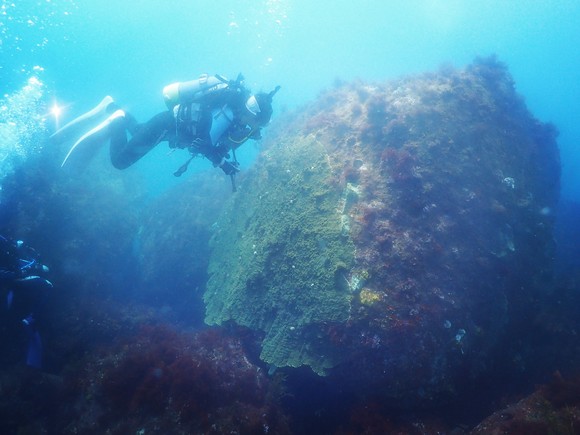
{"x": 145, "y": 136}
{"x": 33, "y": 291}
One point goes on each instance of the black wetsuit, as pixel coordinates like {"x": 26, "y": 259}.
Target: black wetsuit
{"x": 22, "y": 274}
{"x": 24, "y": 292}
{"x": 144, "y": 137}
{"x": 164, "y": 127}
{"x": 9, "y": 264}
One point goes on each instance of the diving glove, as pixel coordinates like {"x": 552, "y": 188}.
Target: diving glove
{"x": 230, "y": 168}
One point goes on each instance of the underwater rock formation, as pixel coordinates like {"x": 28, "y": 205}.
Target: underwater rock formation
{"x": 162, "y": 381}
{"x": 390, "y": 232}
{"x": 150, "y": 379}
{"x": 552, "y": 408}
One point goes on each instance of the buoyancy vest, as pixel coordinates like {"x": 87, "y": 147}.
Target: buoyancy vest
{"x": 185, "y": 100}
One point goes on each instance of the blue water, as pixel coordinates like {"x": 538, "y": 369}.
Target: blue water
{"x": 71, "y": 53}
{"x": 84, "y": 50}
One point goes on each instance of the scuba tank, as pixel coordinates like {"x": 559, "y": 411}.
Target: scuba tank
{"x": 193, "y": 90}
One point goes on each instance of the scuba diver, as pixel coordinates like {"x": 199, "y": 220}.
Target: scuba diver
{"x": 210, "y": 116}
{"x": 25, "y": 288}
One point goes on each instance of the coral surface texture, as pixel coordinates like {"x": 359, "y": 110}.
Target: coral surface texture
{"x": 391, "y": 233}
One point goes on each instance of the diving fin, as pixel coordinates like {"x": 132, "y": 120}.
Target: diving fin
{"x": 9, "y": 299}
{"x": 89, "y": 143}
{"x": 34, "y": 354}
{"x": 79, "y": 124}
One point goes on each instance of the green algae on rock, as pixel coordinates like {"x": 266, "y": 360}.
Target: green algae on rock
{"x": 388, "y": 232}
{"x": 281, "y": 259}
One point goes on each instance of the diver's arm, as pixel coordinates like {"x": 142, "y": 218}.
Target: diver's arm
{"x": 216, "y": 154}
{"x": 219, "y": 156}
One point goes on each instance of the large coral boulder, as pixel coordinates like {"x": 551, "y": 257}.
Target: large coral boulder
{"x": 390, "y": 232}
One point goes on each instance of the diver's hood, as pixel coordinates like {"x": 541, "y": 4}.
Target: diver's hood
{"x": 260, "y": 106}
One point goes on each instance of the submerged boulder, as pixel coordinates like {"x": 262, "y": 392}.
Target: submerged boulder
{"x": 390, "y": 232}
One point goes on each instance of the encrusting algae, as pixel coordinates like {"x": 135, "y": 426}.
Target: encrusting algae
{"x": 404, "y": 180}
